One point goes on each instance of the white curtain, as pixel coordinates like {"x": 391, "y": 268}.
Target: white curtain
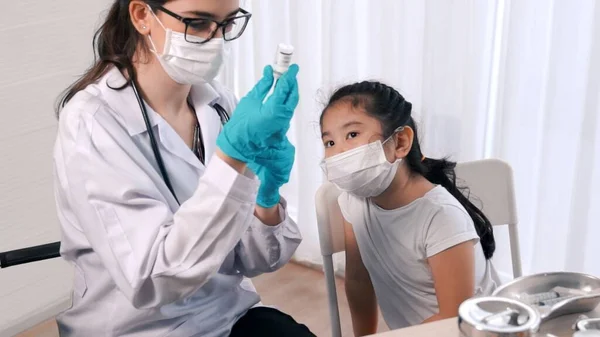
{"x": 516, "y": 80}
{"x": 547, "y": 125}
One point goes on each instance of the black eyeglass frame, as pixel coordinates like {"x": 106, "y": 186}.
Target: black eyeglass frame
{"x": 220, "y": 24}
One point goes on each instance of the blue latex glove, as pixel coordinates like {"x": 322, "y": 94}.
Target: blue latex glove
{"x": 273, "y": 168}
{"x": 255, "y": 126}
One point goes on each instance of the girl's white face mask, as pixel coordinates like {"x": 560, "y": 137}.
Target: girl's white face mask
{"x": 189, "y": 63}
{"x": 363, "y": 171}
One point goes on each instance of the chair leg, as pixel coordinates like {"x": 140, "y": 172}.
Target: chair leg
{"x": 515, "y": 251}
{"x": 334, "y": 312}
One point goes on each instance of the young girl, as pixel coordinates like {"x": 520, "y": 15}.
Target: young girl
{"x": 414, "y": 244}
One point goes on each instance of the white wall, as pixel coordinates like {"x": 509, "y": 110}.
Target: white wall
{"x": 44, "y": 46}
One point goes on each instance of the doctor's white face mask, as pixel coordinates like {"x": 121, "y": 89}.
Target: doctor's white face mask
{"x": 363, "y": 171}
{"x": 189, "y": 63}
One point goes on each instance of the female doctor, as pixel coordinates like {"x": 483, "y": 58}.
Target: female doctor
{"x": 160, "y": 210}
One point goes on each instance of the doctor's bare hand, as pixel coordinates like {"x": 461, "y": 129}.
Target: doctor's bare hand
{"x": 256, "y": 126}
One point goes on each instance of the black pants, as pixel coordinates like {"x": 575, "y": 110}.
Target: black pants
{"x": 268, "y": 322}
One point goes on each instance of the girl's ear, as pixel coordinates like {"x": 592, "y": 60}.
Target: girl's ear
{"x": 404, "y": 141}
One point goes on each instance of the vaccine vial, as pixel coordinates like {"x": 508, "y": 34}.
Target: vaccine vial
{"x": 283, "y": 59}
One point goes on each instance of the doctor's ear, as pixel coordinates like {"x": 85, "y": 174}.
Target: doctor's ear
{"x": 404, "y": 140}
{"x": 140, "y": 15}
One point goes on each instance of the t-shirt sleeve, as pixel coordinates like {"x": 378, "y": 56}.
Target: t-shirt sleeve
{"x": 449, "y": 227}
{"x": 348, "y": 207}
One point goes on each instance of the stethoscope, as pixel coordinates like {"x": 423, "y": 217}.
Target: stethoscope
{"x": 223, "y": 115}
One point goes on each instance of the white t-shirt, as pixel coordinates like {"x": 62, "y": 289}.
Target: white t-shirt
{"x": 395, "y": 245}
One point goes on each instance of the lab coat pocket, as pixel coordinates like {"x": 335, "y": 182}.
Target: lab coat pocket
{"x": 79, "y": 284}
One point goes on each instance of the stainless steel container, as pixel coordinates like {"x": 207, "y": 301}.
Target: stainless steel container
{"x": 497, "y": 317}
{"x": 586, "y": 290}
{"x": 585, "y": 323}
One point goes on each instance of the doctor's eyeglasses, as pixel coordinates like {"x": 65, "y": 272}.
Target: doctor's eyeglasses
{"x": 203, "y": 29}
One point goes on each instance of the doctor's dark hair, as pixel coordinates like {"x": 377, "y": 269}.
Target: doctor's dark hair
{"x": 114, "y": 44}
{"x": 392, "y": 111}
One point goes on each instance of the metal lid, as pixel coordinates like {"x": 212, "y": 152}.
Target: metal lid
{"x": 497, "y": 315}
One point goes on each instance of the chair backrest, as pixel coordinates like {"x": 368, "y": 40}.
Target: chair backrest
{"x": 490, "y": 183}
{"x": 491, "y": 188}
{"x": 329, "y": 219}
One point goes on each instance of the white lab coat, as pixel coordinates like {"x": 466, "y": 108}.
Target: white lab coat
{"x": 145, "y": 266}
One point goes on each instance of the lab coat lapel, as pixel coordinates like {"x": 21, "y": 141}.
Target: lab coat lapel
{"x": 124, "y": 102}
{"x": 202, "y": 96}
{"x": 175, "y": 144}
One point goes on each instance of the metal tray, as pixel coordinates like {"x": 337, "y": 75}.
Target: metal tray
{"x": 585, "y": 323}
{"x": 546, "y": 282}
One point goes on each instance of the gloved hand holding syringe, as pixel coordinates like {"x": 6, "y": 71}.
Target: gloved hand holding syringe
{"x": 273, "y": 168}
{"x": 256, "y": 133}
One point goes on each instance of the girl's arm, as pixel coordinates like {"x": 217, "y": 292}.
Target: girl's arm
{"x": 359, "y": 289}
{"x": 454, "y": 279}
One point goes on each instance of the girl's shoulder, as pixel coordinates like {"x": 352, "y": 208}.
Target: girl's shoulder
{"x": 352, "y": 207}
{"x": 440, "y": 197}
{"x": 448, "y": 225}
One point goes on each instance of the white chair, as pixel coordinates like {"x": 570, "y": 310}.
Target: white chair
{"x": 490, "y": 183}
{"x": 491, "y": 187}
{"x": 331, "y": 237}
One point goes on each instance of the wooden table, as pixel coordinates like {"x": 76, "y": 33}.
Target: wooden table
{"x": 560, "y": 327}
